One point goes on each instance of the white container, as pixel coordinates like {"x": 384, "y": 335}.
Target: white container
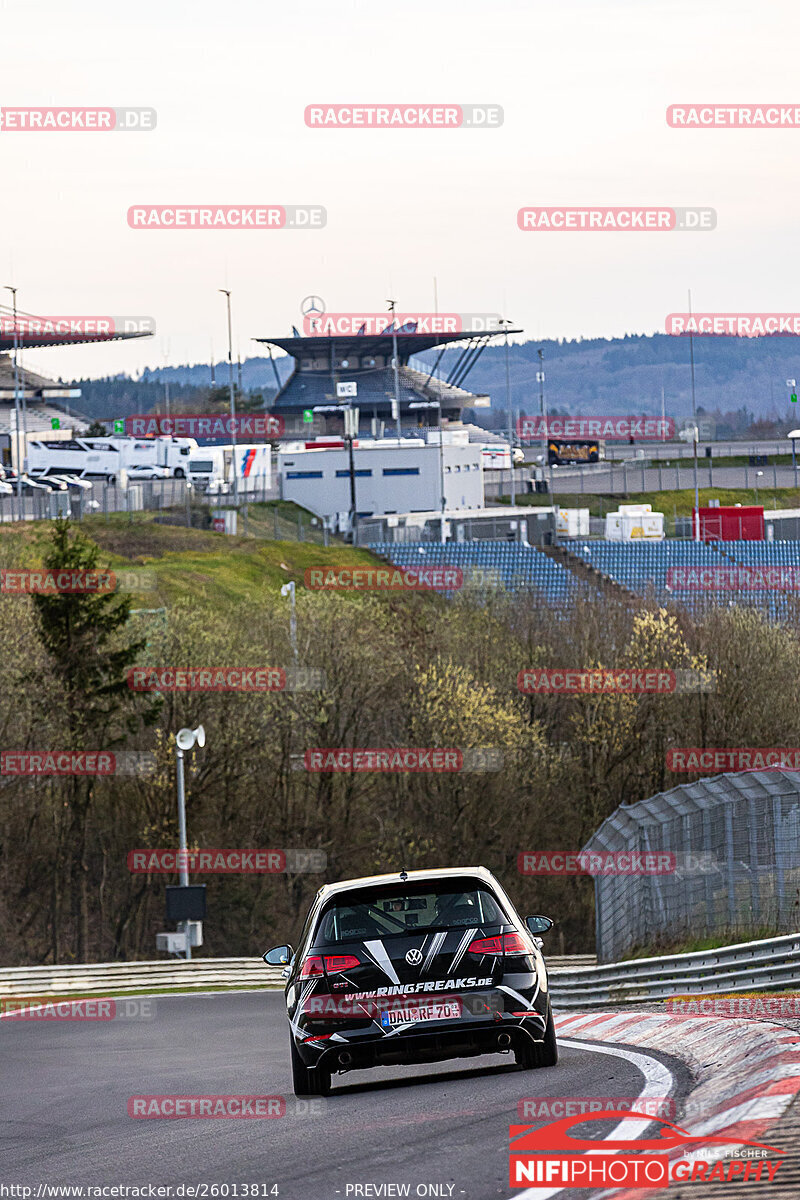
{"x": 627, "y": 526}
{"x": 572, "y": 522}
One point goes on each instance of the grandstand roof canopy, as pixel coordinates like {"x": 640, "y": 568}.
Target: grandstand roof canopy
{"x": 28, "y": 340}
{"x": 407, "y": 343}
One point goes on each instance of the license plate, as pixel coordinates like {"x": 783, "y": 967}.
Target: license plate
{"x": 421, "y": 1012}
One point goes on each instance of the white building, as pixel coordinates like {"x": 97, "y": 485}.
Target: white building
{"x": 390, "y": 476}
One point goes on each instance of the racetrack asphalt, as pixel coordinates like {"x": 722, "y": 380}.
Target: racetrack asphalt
{"x": 66, "y": 1084}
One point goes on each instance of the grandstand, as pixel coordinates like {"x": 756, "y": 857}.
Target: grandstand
{"x": 639, "y": 568}
{"x": 642, "y": 568}
{"x": 321, "y": 362}
{"x": 514, "y": 567}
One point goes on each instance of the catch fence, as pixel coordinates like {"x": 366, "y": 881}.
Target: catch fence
{"x": 734, "y": 869}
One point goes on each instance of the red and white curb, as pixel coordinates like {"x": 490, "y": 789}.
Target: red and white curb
{"x": 747, "y": 1072}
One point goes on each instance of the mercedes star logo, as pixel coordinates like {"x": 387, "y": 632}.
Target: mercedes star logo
{"x": 312, "y": 305}
{"x": 414, "y": 958}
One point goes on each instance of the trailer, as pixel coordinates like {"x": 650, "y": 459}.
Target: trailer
{"x": 105, "y": 457}
{"x": 253, "y": 466}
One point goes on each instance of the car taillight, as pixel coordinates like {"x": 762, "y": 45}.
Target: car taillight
{"x": 340, "y": 962}
{"x": 492, "y": 945}
{"x": 311, "y": 966}
{"x": 514, "y": 943}
{"x": 333, "y": 963}
{"x": 509, "y": 943}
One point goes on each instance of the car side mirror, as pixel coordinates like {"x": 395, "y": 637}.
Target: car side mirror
{"x": 539, "y": 924}
{"x": 278, "y": 956}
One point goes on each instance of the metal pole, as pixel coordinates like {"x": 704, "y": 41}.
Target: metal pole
{"x": 293, "y": 622}
{"x": 391, "y": 304}
{"x": 353, "y": 508}
{"x": 696, "y": 431}
{"x": 227, "y": 295}
{"x": 696, "y": 491}
{"x": 510, "y": 420}
{"x": 13, "y": 291}
{"x": 182, "y": 860}
{"x": 543, "y": 414}
{"x": 441, "y": 473}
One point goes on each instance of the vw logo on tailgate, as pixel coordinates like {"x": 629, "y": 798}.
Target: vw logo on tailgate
{"x": 414, "y": 957}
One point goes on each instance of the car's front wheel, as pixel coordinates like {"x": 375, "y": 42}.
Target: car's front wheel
{"x": 308, "y": 1081}
{"x": 540, "y": 1054}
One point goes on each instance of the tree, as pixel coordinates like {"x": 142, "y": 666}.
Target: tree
{"x": 82, "y": 633}
{"x": 97, "y": 429}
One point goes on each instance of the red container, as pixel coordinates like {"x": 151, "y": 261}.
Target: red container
{"x": 731, "y": 523}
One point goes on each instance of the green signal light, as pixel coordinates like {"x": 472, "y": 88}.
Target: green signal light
{"x": 793, "y": 397}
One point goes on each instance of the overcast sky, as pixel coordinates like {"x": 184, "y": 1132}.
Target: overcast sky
{"x": 584, "y": 86}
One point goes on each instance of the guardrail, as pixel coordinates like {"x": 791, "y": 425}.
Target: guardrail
{"x": 769, "y": 965}
{"x": 165, "y": 974}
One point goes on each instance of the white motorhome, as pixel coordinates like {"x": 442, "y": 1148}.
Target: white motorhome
{"x": 105, "y": 457}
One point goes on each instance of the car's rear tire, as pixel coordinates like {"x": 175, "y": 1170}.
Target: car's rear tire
{"x": 539, "y": 1054}
{"x": 308, "y": 1081}
{"x": 179, "y": 472}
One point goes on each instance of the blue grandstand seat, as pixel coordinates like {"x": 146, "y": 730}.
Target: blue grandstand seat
{"x": 519, "y": 568}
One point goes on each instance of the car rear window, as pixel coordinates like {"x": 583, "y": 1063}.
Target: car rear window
{"x": 381, "y": 912}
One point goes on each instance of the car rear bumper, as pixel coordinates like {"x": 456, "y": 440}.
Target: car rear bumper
{"x": 416, "y": 1046}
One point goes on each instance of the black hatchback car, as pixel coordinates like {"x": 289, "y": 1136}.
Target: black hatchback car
{"x": 414, "y": 967}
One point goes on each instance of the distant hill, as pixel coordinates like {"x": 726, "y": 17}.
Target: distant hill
{"x": 586, "y": 377}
